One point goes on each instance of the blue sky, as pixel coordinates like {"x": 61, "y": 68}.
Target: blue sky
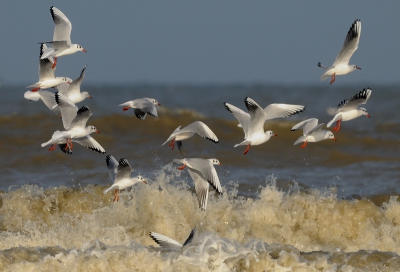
{"x": 203, "y": 42}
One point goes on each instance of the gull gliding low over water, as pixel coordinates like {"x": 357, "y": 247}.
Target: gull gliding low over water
{"x": 187, "y": 132}
{"x": 341, "y": 65}
{"x": 312, "y": 132}
{"x": 120, "y": 175}
{"x": 61, "y": 44}
{"x": 142, "y": 107}
{"x": 348, "y": 109}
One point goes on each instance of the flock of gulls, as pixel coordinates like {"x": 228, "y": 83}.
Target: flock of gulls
{"x": 63, "y": 104}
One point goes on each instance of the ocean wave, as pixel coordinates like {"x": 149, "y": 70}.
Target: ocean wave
{"x": 82, "y": 228}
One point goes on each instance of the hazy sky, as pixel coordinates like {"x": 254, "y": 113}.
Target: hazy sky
{"x": 203, "y": 41}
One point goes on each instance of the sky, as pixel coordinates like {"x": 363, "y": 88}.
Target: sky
{"x": 203, "y": 42}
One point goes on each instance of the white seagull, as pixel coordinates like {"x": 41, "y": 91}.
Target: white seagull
{"x": 253, "y": 122}
{"x": 312, "y": 132}
{"x": 341, "y": 65}
{"x": 348, "y": 109}
{"x": 203, "y": 174}
{"x": 74, "y": 122}
{"x": 61, "y": 44}
{"x": 120, "y": 175}
{"x": 187, "y": 132}
{"x": 74, "y": 91}
{"x": 170, "y": 244}
{"x": 142, "y": 107}
{"x": 47, "y": 73}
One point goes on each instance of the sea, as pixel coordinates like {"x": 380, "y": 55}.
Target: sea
{"x": 331, "y": 206}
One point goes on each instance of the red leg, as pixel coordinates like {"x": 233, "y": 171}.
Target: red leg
{"x": 304, "y": 144}
{"x": 52, "y": 147}
{"x": 337, "y": 126}
{"x": 333, "y": 78}
{"x": 126, "y": 108}
{"x": 247, "y": 149}
{"x": 182, "y": 167}
{"x": 35, "y": 89}
{"x": 116, "y": 196}
{"x": 172, "y": 144}
{"x": 54, "y": 63}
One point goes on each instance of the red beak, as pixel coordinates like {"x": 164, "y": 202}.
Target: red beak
{"x": 97, "y": 131}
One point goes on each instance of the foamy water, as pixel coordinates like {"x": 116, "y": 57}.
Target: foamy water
{"x": 82, "y": 230}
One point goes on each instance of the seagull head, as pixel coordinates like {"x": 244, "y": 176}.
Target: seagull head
{"x": 141, "y": 179}
{"x": 94, "y": 129}
{"x": 215, "y": 161}
{"x": 329, "y": 135}
{"x": 355, "y": 67}
{"x": 270, "y": 133}
{"x": 155, "y": 102}
{"x": 364, "y": 112}
{"x": 86, "y": 94}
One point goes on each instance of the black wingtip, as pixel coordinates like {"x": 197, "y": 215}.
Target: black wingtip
{"x": 227, "y": 107}
{"x": 212, "y": 140}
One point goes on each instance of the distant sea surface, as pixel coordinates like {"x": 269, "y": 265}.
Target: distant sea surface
{"x": 332, "y": 206}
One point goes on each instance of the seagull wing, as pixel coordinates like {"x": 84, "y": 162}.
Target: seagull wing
{"x": 206, "y": 170}
{"x": 112, "y": 165}
{"x": 165, "y": 242}
{"x": 63, "y": 27}
{"x": 311, "y": 131}
{"x": 202, "y": 129}
{"x": 90, "y": 143}
{"x": 190, "y": 238}
{"x": 201, "y": 186}
{"x": 124, "y": 170}
{"x": 306, "y": 125}
{"x": 257, "y": 117}
{"x": 273, "y": 111}
{"x": 82, "y": 116}
{"x": 350, "y": 44}
{"x": 242, "y": 116}
{"x": 68, "y": 109}
{"x": 357, "y": 100}
{"x": 75, "y": 86}
{"x": 45, "y": 65}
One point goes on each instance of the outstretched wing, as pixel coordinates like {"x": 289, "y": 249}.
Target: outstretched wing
{"x": 124, "y": 170}
{"x": 165, "y": 242}
{"x": 350, "y": 44}
{"x": 82, "y": 116}
{"x": 242, "y": 116}
{"x": 112, "y": 165}
{"x": 90, "y": 143}
{"x": 202, "y": 129}
{"x": 357, "y": 100}
{"x": 257, "y": 117}
{"x": 273, "y": 111}
{"x": 68, "y": 109}
{"x": 206, "y": 170}
{"x": 63, "y": 27}
{"x": 201, "y": 187}
{"x": 45, "y": 65}
{"x": 306, "y": 125}
{"x": 190, "y": 238}
{"x": 75, "y": 86}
